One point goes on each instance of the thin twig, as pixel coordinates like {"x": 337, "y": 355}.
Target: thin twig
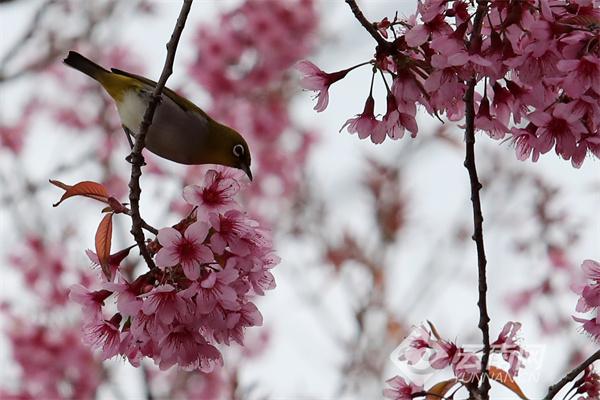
{"x": 136, "y": 158}
{"x": 384, "y": 44}
{"x": 554, "y": 389}
{"x": 476, "y": 186}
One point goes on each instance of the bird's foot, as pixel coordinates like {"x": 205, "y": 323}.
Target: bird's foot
{"x": 129, "y": 159}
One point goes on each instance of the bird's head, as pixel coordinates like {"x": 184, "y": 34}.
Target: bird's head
{"x": 230, "y": 148}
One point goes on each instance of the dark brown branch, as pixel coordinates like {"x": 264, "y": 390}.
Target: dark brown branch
{"x": 384, "y": 44}
{"x": 136, "y": 158}
{"x": 471, "y": 167}
{"x": 554, "y": 389}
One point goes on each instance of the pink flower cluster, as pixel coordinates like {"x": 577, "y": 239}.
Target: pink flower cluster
{"x": 425, "y": 344}
{"x": 590, "y": 298}
{"x": 537, "y": 62}
{"x": 210, "y": 265}
{"x": 243, "y": 62}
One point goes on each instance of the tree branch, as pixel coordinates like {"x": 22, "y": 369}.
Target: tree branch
{"x": 470, "y": 165}
{"x": 554, "y": 389}
{"x": 136, "y": 158}
{"x": 384, "y": 44}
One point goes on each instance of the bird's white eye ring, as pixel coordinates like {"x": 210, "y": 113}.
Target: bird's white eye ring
{"x": 238, "y": 150}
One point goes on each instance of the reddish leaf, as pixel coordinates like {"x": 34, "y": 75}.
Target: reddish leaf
{"x": 116, "y": 206}
{"x": 115, "y": 259}
{"x": 103, "y": 239}
{"x": 439, "y": 390}
{"x": 86, "y": 188}
{"x": 505, "y": 379}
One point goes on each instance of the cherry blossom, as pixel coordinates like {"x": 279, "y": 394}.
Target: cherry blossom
{"x": 91, "y": 301}
{"x": 319, "y": 81}
{"x": 507, "y": 344}
{"x": 363, "y": 124}
{"x": 400, "y": 389}
{"x": 419, "y": 342}
{"x": 537, "y": 64}
{"x": 590, "y": 298}
{"x": 185, "y": 249}
{"x": 103, "y": 335}
{"x": 216, "y": 194}
{"x": 195, "y": 299}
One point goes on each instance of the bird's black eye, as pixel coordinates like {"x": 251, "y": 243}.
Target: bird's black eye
{"x": 238, "y": 150}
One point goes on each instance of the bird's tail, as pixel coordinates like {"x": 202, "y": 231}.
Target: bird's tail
{"x": 88, "y": 67}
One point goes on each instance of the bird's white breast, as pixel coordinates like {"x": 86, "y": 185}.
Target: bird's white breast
{"x": 131, "y": 110}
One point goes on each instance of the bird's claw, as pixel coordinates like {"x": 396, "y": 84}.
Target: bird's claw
{"x": 129, "y": 159}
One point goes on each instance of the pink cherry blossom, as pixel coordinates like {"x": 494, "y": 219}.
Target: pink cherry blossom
{"x": 131, "y": 347}
{"x": 507, "y": 344}
{"x": 175, "y": 315}
{"x": 189, "y": 350}
{"x": 363, "y": 124}
{"x": 466, "y": 365}
{"x": 488, "y": 123}
{"x": 166, "y": 304}
{"x": 590, "y": 326}
{"x": 215, "y": 195}
{"x": 535, "y": 62}
{"x": 400, "y": 389}
{"x": 91, "y": 301}
{"x": 420, "y": 342}
{"x": 187, "y": 249}
{"x": 561, "y": 129}
{"x": 317, "y": 80}
{"x": 231, "y": 325}
{"x": 215, "y": 289}
{"x": 259, "y": 275}
{"x": 444, "y": 354}
{"x": 433, "y": 28}
{"x": 580, "y": 75}
{"x": 128, "y": 301}
{"x": 230, "y": 230}
{"x": 397, "y": 118}
{"x": 103, "y": 335}
{"x": 590, "y": 298}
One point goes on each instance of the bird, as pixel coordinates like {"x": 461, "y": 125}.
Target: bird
{"x": 180, "y": 131}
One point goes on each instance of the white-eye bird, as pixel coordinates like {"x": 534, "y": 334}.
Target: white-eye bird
{"x": 180, "y": 130}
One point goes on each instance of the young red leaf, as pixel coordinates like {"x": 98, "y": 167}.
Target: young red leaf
{"x": 86, "y": 188}
{"x": 117, "y": 206}
{"x": 439, "y": 390}
{"x": 505, "y": 379}
{"x": 103, "y": 241}
{"x": 115, "y": 259}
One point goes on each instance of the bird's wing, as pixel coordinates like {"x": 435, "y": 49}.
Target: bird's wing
{"x": 181, "y": 101}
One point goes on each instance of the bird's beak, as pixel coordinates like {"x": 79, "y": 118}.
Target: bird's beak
{"x": 246, "y": 169}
